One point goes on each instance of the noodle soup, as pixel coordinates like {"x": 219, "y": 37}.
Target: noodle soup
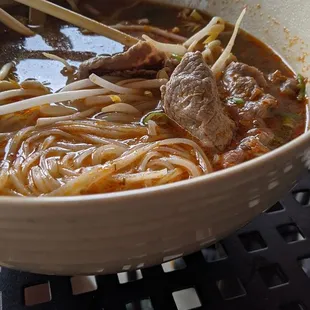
{"x": 70, "y": 126}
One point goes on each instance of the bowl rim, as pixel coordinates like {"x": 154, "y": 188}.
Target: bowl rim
{"x": 137, "y": 194}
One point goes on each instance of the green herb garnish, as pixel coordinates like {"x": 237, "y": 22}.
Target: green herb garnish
{"x": 157, "y": 116}
{"x": 177, "y": 57}
{"x": 288, "y": 121}
{"x": 236, "y": 100}
{"x": 302, "y": 88}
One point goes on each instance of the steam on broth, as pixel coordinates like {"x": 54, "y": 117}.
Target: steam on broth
{"x": 82, "y": 114}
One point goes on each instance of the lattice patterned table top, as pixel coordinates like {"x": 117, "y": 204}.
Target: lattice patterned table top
{"x": 265, "y": 266}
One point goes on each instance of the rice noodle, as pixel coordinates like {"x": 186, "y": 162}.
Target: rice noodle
{"x": 78, "y": 160}
{"x": 103, "y": 172}
{"x": 146, "y": 159}
{"x": 150, "y": 29}
{"x": 171, "y": 176}
{"x": 47, "y": 142}
{"x": 207, "y": 30}
{"x": 18, "y": 184}
{"x": 187, "y": 164}
{"x": 219, "y": 66}
{"x": 174, "y": 150}
{"x": 14, "y": 24}
{"x": 100, "y": 140}
{"x": 141, "y": 176}
{"x": 5, "y": 70}
{"x": 44, "y": 121}
{"x": 58, "y": 97}
{"x": 105, "y": 150}
{"x": 166, "y": 47}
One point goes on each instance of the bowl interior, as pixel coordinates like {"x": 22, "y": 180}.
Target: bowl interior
{"x": 286, "y": 36}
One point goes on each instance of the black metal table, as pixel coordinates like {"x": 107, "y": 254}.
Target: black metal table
{"x": 265, "y": 266}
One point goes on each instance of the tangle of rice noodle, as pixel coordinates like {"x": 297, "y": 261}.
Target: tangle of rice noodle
{"x": 14, "y": 24}
{"x": 57, "y": 58}
{"x": 5, "y": 70}
{"x": 150, "y": 29}
{"x": 102, "y": 173}
{"x": 141, "y": 176}
{"x": 59, "y": 167}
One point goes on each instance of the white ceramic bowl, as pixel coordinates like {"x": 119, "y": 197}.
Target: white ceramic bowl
{"x": 135, "y": 229}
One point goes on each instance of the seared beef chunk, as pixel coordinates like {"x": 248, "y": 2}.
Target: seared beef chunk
{"x": 139, "y": 60}
{"x": 249, "y": 84}
{"x": 191, "y": 99}
{"x": 248, "y": 148}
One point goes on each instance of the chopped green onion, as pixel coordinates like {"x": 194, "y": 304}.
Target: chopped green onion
{"x": 288, "y": 121}
{"x": 302, "y": 88}
{"x": 177, "y": 57}
{"x": 159, "y": 116}
{"x": 236, "y": 100}
{"x": 196, "y": 16}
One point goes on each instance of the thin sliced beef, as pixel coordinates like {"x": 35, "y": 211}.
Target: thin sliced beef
{"x": 249, "y": 148}
{"x": 248, "y": 83}
{"x": 287, "y": 86}
{"x": 191, "y": 99}
{"x": 142, "y": 59}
